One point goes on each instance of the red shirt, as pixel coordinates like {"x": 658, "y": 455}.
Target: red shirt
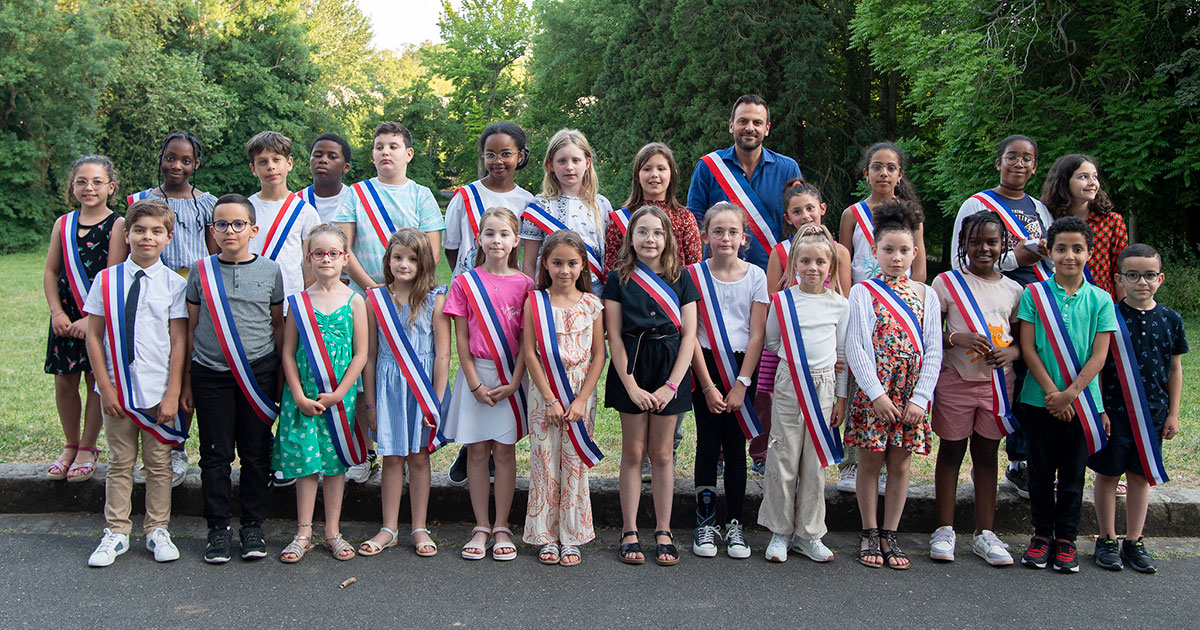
{"x": 1110, "y": 238}
{"x": 683, "y": 224}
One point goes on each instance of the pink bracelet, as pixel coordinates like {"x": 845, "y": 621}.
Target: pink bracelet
{"x": 673, "y": 386}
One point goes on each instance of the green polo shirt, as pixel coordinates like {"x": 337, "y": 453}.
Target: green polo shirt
{"x": 1085, "y": 314}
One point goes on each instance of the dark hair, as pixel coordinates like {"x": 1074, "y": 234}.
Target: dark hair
{"x": 240, "y": 200}
{"x": 1056, "y": 190}
{"x": 272, "y": 141}
{"x": 153, "y": 208}
{"x": 1138, "y": 250}
{"x": 197, "y": 150}
{"x": 897, "y": 215}
{"x": 791, "y": 190}
{"x": 395, "y": 129}
{"x": 103, "y": 161}
{"x": 332, "y": 137}
{"x": 904, "y": 188}
{"x": 1016, "y": 137}
{"x": 570, "y": 239}
{"x": 971, "y": 225}
{"x": 750, "y": 99}
{"x": 637, "y": 197}
{"x": 1069, "y": 225}
{"x": 512, "y": 130}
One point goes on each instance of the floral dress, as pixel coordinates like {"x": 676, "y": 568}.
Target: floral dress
{"x": 68, "y": 355}
{"x": 303, "y": 445}
{"x": 898, "y": 365}
{"x": 560, "y": 507}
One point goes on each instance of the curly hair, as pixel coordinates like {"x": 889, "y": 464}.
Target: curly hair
{"x": 1056, "y": 190}
{"x": 971, "y": 225}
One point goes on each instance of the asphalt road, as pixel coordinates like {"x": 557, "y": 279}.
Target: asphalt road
{"x": 46, "y": 583}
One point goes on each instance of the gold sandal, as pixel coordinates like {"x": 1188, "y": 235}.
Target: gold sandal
{"x": 297, "y": 549}
{"x": 338, "y": 546}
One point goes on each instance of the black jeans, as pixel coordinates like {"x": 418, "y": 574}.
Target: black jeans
{"x": 717, "y": 433}
{"x": 227, "y": 420}
{"x": 1057, "y": 450}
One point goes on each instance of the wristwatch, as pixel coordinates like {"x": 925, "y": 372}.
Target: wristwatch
{"x": 745, "y": 380}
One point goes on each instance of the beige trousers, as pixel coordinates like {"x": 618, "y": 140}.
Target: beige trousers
{"x": 123, "y": 436}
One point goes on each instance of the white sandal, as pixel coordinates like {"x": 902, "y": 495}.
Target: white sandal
{"x": 477, "y": 555}
{"x": 372, "y": 548}
{"x": 420, "y": 545}
{"x": 296, "y": 548}
{"x": 549, "y": 549}
{"x": 509, "y": 555}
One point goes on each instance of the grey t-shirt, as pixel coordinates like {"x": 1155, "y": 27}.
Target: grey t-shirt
{"x": 251, "y": 288}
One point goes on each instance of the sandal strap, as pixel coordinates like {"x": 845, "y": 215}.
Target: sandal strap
{"x": 502, "y": 530}
{"x": 663, "y": 532}
{"x": 632, "y": 532}
{"x": 481, "y": 530}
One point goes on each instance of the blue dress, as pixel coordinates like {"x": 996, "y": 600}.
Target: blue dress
{"x": 400, "y": 427}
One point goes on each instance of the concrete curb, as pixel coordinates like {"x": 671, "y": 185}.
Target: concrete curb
{"x": 25, "y": 490}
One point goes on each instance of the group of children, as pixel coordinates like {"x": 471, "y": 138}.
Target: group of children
{"x": 327, "y": 300}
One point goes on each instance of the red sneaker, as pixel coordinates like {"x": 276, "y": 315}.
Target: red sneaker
{"x": 1064, "y": 557}
{"x": 1037, "y": 556}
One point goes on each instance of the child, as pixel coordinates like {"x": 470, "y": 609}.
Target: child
{"x": 79, "y": 249}
{"x": 568, "y": 201}
{"x": 503, "y": 152}
{"x": 238, "y": 297}
{"x": 1059, "y": 425}
{"x": 979, "y": 308}
{"x": 378, "y": 206}
{"x": 649, "y": 306}
{"x": 732, "y": 315}
{"x": 1154, "y": 334}
{"x": 810, "y": 391}
{"x": 566, "y": 336}
{"x": 284, "y": 219}
{"x": 324, "y": 351}
{"x": 328, "y": 161}
{"x": 486, "y": 304}
{"x": 1072, "y": 188}
{"x": 400, "y": 402}
{"x": 655, "y": 177}
{"x": 883, "y": 165}
{"x": 894, "y": 352}
{"x": 139, "y": 305}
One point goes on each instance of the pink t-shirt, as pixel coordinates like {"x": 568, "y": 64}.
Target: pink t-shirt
{"x": 507, "y": 294}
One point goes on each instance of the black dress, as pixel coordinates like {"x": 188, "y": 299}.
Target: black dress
{"x": 651, "y": 343}
{"x": 67, "y": 355}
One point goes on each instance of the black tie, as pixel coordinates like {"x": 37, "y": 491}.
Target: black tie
{"x": 131, "y": 301}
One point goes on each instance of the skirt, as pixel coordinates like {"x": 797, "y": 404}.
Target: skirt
{"x": 469, "y": 421}
{"x": 652, "y": 364}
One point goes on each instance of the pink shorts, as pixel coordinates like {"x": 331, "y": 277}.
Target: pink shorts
{"x": 964, "y": 408}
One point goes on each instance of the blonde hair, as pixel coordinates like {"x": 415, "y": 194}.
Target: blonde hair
{"x": 425, "y": 280}
{"x": 812, "y": 236}
{"x": 627, "y": 259}
{"x": 506, "y": 215}
{"x": 590, "y": 185}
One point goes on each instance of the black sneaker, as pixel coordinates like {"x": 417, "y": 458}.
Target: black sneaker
{"x": 1140, "y": 560}
{"x": 1107, "y": 554}
{"x": 1037, "y": 555}
{"x": 253, "y": 545}
{"x": 1018, "y": 479}
{"x": 458, "y": 470}
{"x": 759, "y": 468}
{"x": 491, "y": 469}
{"x": 720, "y": 467}
{"x": 1065, "y": 556}
{"x": 220, "y": 542}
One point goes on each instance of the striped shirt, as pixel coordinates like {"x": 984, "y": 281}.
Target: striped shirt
{"x": 192, "y": 218}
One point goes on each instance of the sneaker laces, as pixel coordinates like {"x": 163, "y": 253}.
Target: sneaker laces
{"x": 1066, "y": 551}
{"x": 159, "y": 536}
{"x": 707, "y": 535}
{"x": 851, "y": 470}
{"x": 733, "y": 534}
{"x": 109, "y": 542}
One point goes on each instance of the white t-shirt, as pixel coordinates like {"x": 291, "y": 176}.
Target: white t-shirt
{"x": 327, "y": 207}
{"x": 863, "y": 265}
{"x": 458, "y": 227}
{"x": 824, "y": 320}
{"x": 291, "y": 255}
{"x": 736, "y": 299}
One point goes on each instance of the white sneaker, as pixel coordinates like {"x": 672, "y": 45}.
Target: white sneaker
{"x": 735, "y": 541}
{"x": 159, "y": 542}
{"x": 704, "y": 541}
{"x": 814, "y": 549}
{"x": 179, "y": 467}
{"x": 882, "y": 481}
{"x": 777, "y": 549}
{"x": 942, "y": 542}
{"x": 848, "y": 479}
{"x": 359, "y": 473}
{"x": 139, "y": 474}
{"x": 111, "y": 546}
{"x": 989, "y": 547}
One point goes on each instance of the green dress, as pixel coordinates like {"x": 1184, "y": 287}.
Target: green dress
{"x": 303, "y": 445}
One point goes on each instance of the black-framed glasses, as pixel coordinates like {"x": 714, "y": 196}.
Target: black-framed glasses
{"x": 238, "y": 226}
{"x": 1133, "y": 276}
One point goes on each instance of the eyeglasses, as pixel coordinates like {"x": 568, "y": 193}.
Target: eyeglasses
{"x": 85, "y": 184}
{"x": 1132, "y": 276}
{"x": 1014, "y": 159}
{"x": 237, "y": 226}
{"x": 879, "y": 167}
{"x": 332, "y": 254}
{"x": 503, "y": 155}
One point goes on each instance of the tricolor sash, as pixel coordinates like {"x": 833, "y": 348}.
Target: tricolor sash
{"x": 277, "y": 234}
{"x": 391, "y": 329}
{"x": 308, "y": 195}
{"x": 738, "y": 191}
{"x": 1134, "y": 391}
{"x": 620, "y": 218}
{"x": 349, "y": 444}
{"x": 472, "y": 207}
{"x": 547, "y": 346}
{"x": 660, "y": 292}
{"x": 996, "y": 203}
{"x": 783, "y": 250}
{"x": 862, "y": 216}
{"x": 504, "y": 356}
{"x": 372, "y": 203}
{"x": 549, "y": 225}
{"x": 899, "y": 309}
{"x": 137, "y": 196}
{"x": 718, "y": 338}
{"x": 968, "y": 307}
{"x": 212, "y": 286}
{"x": 826, "y": 439}
{"x": 1068, "y": 363}
{"x": 77, "y": 279}
{"x": 112, "y": 287}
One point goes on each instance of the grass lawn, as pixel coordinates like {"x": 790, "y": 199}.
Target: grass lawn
{"x": 30, "y": 431}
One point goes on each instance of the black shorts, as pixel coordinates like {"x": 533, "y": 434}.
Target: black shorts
{"x": 1120, "y": 455}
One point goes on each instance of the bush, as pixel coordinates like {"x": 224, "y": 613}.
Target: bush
{"x": 1181, "y": 291}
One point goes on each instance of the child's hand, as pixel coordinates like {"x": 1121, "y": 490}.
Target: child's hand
{"x": 78, "y": 328}
{"x": 60, "y": 324}
{"x": 424, "y": 419}
{"x": 554, "y": 413}
{"x": 308, "y": 406}
{"x": 1171, "y": 429}
{"x": 576, "y": 410}
{"x": 1107, "y": 425}
{"x": 839, "y": 413}
{"x": 839, "y": 366}
{"x": 111, "y": 407}
{"x": 168, "y": 410}
{"x": 663, "y": 397}
{"x": 642, "y": 398}
{"x": 885, "y": 409}
{"x": 716, "y": 402}
{"x": 328, "y": 401}
{"x": 368, "y": 417}
{"x": 504, "y": 391}
{"x": 1066, "y": 416}
{"x": 1002, "y": 357}
{"x": 913, "y": 414}
{"x": 483, "y": 395}
{"x": 185, "y": 396}
{"x": 973, "y": 342}
{"x": 1056, "y": 402}
{"x": 736, "y": 398}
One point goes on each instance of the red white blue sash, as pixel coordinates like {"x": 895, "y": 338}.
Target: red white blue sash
{"x": 349, "y": 444}
{"x": 996, "y": 203}
{"x": 621, "y": 219}
{"x": 548, "y": 224}
{"x": 112, "y": 290}
{"x": 783, "y": 250}
{"x": 504, "y": 356}
{"x": 212, "y": 287}
{"x": 137, "y": 196}
{"x": 1068, "y": 363}
{"x": 826, "y": 439}
{"x": 309, "y": 195}
{"x": 660, "y": 292}
{"x": 718, "y": 339}
{"x": 862, "y": 216}
{"x": 968, "y": 307}
{"x": 392, "y": 330}
{"x": 1134, "y": 391}
{"x": 372, "y": 203}
{"x": 77, "y": 279}
{"x": 900, "y": 310}
{"x": 547, "y": 345}
{"x": 738, "y": 191}
{"x": 472, "y": 207}
{"x": 278, "y": 233}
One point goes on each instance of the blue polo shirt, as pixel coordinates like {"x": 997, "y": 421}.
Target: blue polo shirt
{"x": 773, "y": 171}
